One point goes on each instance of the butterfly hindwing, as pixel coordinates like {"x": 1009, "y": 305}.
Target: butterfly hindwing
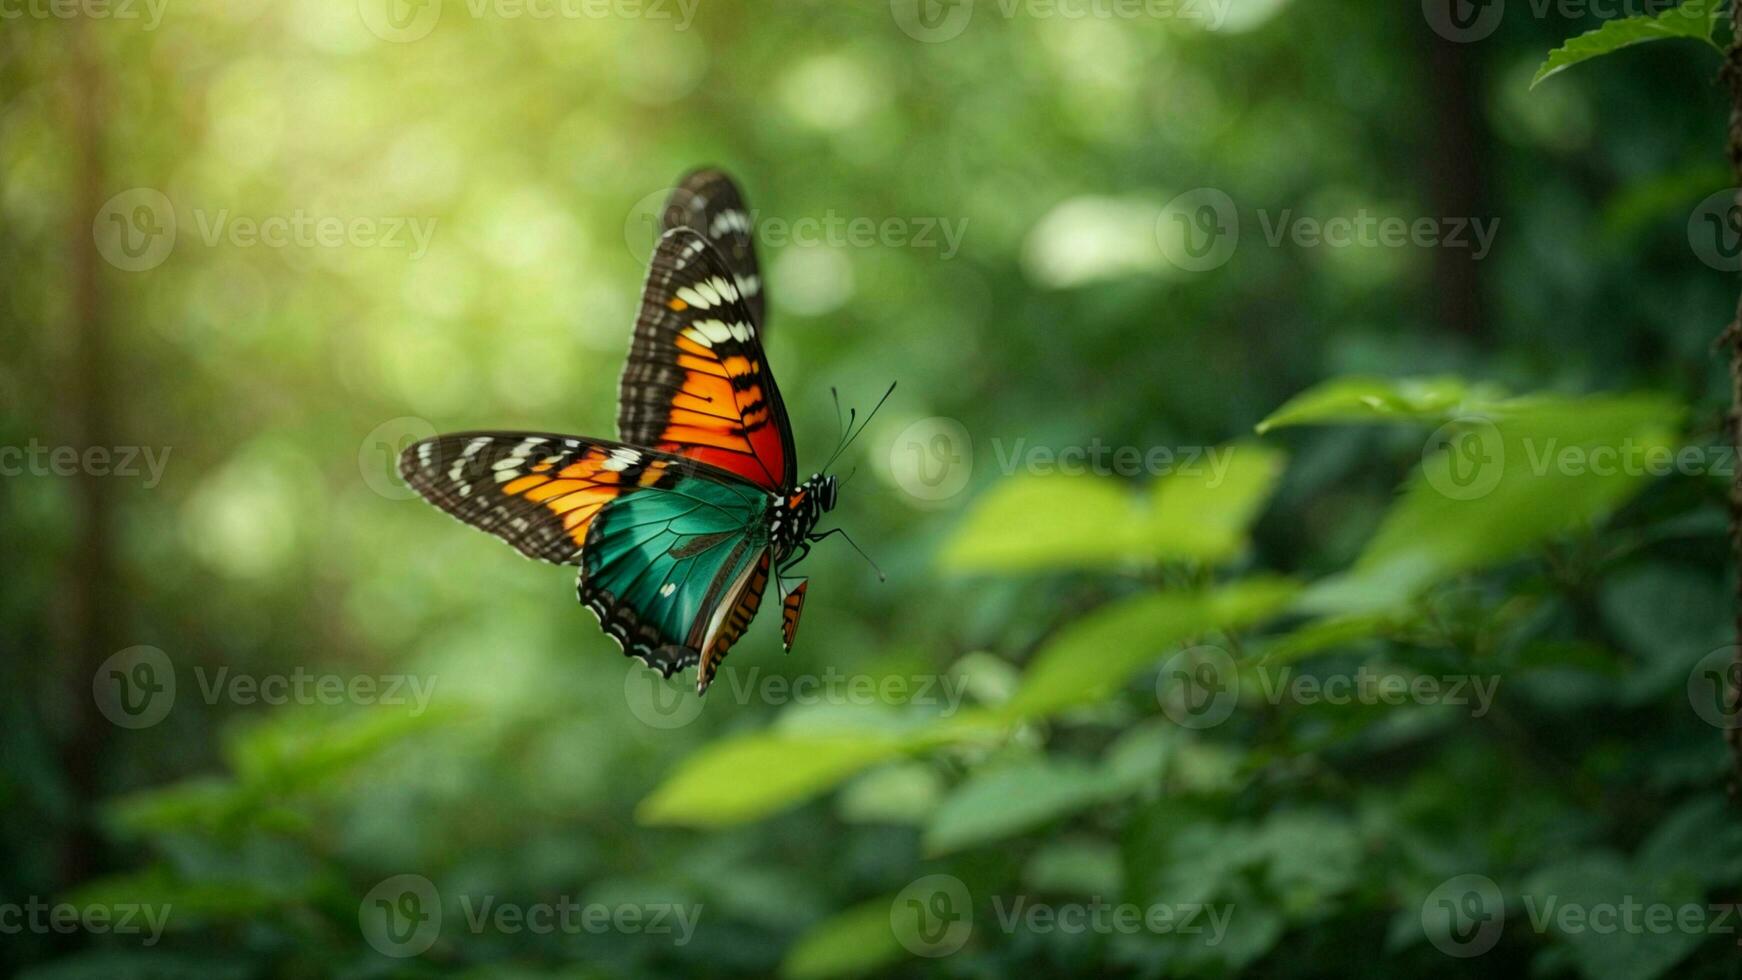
{"x": 697, "y": 382}
{"x": 709, "y": 201}
{"x": 676, "y": 576}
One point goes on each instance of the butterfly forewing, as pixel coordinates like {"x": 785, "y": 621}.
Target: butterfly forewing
{"x": 709, "y": 202}
{"x": 697, "y": 383}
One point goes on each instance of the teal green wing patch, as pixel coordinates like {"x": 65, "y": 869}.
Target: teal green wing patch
{"x": 663, "y": 570}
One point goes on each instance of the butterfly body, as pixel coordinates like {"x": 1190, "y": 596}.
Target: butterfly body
{"x": 677, "y": 525}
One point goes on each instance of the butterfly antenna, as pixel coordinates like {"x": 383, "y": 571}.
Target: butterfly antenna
{"x": 843, "y": 533}
{"x": 855, "y": 433}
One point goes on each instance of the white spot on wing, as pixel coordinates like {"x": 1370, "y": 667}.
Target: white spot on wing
{"x": 714, "y": 330}
{"x": 621, "y": 459}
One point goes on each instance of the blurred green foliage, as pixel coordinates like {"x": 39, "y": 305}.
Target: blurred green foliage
{"x": 1041, "y": 632}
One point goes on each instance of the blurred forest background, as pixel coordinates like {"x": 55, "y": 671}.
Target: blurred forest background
{"x": 257, "y": 687}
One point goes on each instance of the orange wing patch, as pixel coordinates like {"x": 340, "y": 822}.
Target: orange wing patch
{"x": 583, "y": 486}
{"x": 790, "y": 608}
{"x": 733, "y": 623}
{"x": 720, "y": 413}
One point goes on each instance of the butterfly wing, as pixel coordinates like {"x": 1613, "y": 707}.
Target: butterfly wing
{"x": 673, "y": 555}
{"x": 675, "y": 578}
{"x": 697, "y": 383}
{"x": 791, "y": 608}
{"x": 709, "y": 201}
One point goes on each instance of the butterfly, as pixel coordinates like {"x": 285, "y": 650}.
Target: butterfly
{"x": 677, "y": 524}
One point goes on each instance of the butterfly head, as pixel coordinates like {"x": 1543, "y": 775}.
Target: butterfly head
{"x": 826, "y": 488}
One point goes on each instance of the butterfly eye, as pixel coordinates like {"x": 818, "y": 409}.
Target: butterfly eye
{"x": 828, "y": 494}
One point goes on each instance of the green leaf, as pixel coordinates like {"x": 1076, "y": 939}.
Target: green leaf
{"x": 749, "y": 777}
{"x": 849, "y": 943}
{"x": 1360, "y": 399}
{"x": 1203, "y": 513}
{"x": 1010, "y": 799}
{"x": 1040, "y": 522}
{"x": 1701, "y": 840}
{"x": 1544, "y": 467}
{"x": 1693, "y": 20}
{"x": 1597, "y": 879}
{"x": 904, "y": 792}
{"x": 1199, "y": 512}
{"x": 1093, "y": 657}
{"x": 1075, "y": 865}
